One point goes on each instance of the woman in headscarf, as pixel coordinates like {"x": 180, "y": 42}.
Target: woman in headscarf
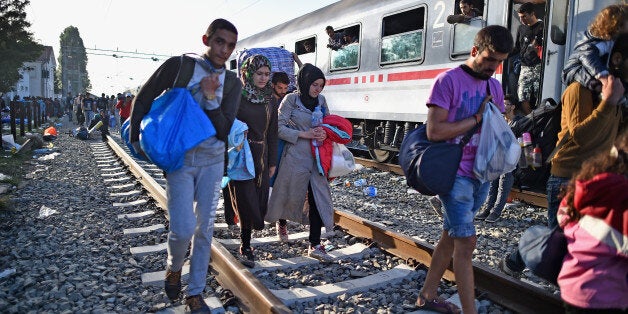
{"x": 300, "y": 192}
{"x": 249, "y": 198}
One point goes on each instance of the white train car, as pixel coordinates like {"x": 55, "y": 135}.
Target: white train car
{"x": 381, "y": 81}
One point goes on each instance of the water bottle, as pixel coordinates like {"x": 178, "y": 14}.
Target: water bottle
{"x": 527, "y": 148}
{"x": 522, "y": 158}
{"x": 536, "y": 157}
{"x": 360, "y": 182}
{"x": 317, "y": 120}
{"x": 370, "y": 191}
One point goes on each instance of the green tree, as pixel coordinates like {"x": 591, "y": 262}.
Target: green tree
{"x": 73, "y": 75}
{"x": 16, "y": 42}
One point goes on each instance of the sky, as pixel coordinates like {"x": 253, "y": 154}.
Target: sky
{"x": 149, "y": 27}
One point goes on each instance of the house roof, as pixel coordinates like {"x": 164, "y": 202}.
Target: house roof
{"x": 46, "y": 55}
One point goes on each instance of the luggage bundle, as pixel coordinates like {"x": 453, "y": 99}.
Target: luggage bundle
{"x": 280, "y": 61}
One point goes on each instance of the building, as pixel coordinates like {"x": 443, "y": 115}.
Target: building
{"x": 37, "y": 77}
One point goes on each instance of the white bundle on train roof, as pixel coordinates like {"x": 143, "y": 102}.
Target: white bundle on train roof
{"x": 280, "y": 60}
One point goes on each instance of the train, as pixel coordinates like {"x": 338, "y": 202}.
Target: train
{"x": 381, "y": 81}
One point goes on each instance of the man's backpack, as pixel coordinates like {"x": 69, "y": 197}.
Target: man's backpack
{"x": 543, "y": 124}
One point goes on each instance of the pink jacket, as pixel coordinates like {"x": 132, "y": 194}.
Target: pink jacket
{"x": 595, "y": 270}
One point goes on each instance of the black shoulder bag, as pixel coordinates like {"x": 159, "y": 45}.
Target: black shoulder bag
{"x": 431, "y": 167}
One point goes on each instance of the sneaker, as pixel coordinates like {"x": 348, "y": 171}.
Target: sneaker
{"x": 493, "y": 217}
{"x": 318, "y": 252}
{"x": 246, "y": 257}
{"x": 282, "y": 232}
{"x": 503, "y": 266}
{"x": 196, "y": 305}
{"x": 172, "y": 284}
{"x": 482, "y": 214}
{"x": 437, "y": 205}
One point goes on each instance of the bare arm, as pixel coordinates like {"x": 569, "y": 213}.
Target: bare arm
{"x": 439, "y": 129}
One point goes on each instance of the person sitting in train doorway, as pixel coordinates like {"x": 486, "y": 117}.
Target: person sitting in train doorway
{"x": 590, "y": 123}
{"x": 528, "y": 47}
{"x": 455, "y": 106}
{"x": 300, "y": 193}
{"x": 335, "y": 39}
{"x": 249, "y": 198}
{"x": 467, "y": 12}
{"x": 199, "y": 179}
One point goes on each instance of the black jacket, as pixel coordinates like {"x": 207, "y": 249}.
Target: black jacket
{"x": 523, "y": 45}
{"x": 585, "y": 63}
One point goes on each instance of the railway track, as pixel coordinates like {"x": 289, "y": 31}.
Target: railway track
{"x": 534, "y": 198}
{"x": 257, "y": 294}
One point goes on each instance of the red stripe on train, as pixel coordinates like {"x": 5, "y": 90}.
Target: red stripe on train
{"x": 401, "y": 76}
{"x": 414, "y": 75}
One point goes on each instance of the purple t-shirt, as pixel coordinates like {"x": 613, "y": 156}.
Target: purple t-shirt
{"x": 462, "y": 94}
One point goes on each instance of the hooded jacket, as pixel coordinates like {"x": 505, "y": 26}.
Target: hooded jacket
{"x": 595, "y": 270}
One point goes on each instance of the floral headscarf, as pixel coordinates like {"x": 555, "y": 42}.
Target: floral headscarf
{"x": 251, "y": 92}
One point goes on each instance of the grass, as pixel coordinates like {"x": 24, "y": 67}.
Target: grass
{"x": 12, "y": 165}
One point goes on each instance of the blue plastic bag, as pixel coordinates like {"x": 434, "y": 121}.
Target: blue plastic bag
{"x": 174, "y": 125}
{"x": 124, "y": 133}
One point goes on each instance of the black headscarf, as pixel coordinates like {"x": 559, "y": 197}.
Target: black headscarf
{"x": 306, "y": 76}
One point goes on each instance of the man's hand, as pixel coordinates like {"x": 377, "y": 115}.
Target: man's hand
{"x": 209, "y": 85}
{"x": 612, "y": 89}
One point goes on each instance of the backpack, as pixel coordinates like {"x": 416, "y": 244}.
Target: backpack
{"x": 543, "y": 124}
{"x": 82, "y": 133}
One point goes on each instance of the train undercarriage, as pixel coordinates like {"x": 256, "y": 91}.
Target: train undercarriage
{"x": 380, "y": 138}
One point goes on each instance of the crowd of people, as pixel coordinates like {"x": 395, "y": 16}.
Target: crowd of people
{"x": 280, "y": 136}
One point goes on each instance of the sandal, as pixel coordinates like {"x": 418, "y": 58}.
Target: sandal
{"x": 227, "y": 298}
{"x": 437, "y": 304}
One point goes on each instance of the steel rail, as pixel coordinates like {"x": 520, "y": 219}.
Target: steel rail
{"x": 501, "y": 288}
{"x": 534, "y": 198}
{"x": 254, "y": 297}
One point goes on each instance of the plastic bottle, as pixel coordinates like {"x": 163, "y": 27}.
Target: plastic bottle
{"x": 528, "y": 149}
{"x": 522, "y": 158}
{"x": 370, "y": 191}
{"x": 360, "y": 182}
{"x": 317, "y": 120}
{"x": 536, "y": 157}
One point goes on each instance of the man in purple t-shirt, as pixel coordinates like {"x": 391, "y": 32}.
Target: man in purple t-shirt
{"x": 455, "y": 106}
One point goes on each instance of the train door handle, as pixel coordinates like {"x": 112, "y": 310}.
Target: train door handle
{"x": 550, "y": 53}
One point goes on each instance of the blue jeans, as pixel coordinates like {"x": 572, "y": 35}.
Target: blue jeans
{"x": 461, "y": 204}
{"x": 498, "y": 193}
{"x": 200, "y": 183}
{"x": 554, "y": 186}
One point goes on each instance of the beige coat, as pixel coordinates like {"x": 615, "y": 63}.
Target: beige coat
{"x": 297, "y": 168}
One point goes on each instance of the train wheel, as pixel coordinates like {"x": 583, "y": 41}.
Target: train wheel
{"x": 379, "y": 155}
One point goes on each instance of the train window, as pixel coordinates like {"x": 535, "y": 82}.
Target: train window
{"x": 348, "y": 55}
{"x": 233, "y": 64}
{"x": 463, "y": 36}
{"x": 304, "y": 46}
{"x": 403, "y": 36}
{"x": 558, "y": 32}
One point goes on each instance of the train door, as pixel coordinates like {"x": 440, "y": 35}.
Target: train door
{"x": 512, "y": 79}
{"x": 554, "y": 49}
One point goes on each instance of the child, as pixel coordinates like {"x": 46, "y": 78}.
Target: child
{"x": 586, "y": 64}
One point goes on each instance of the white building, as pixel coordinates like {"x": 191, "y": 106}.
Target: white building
{"x": 37, "y": 77}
